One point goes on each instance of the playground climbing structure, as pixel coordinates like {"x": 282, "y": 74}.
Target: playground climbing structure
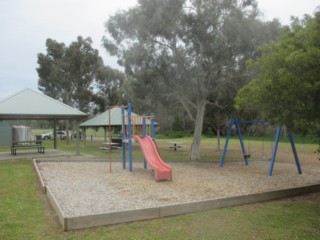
{"x": 141, "y": 130}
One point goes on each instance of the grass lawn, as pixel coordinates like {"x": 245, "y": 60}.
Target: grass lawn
{"x": 26, "y": 214}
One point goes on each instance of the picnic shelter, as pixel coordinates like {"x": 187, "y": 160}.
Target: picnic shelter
{"x": 28, "y": 104}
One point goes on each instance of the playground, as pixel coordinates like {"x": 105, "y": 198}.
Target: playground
{"x": 259, "y": 219}
{"x": 146, "y": 179}
{"x": 89, "y": 193}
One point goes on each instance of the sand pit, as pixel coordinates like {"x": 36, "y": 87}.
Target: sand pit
{"x": 88, "y": 187}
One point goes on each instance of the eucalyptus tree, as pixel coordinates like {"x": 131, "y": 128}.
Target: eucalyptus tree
{"x": 66, "y": 73}
{"x": 108, "y": 87}
{"x": 184, "y": 50}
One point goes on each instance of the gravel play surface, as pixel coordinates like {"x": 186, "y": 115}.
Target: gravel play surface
{"x": 88, "y": 187}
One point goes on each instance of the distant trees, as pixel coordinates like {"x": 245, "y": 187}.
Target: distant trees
{"x": 188, "y": 52}
{"x": 75, "y": 75}
{"x": 108, "y": 86}
{"x": 66, "y": 73}
{"x": 193, "y": 55}
{"x": 287, "y": 86}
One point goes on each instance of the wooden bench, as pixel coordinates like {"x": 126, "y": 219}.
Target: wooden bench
{"x": 107, "y": 145}
{"x": 27, "y": 145}
{"x": 108, "y": 148}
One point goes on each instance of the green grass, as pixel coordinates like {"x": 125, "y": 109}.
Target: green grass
{"x": 24, "y": 214}
{"x": 20, "y": 207}
{"x": 257, "y": 147}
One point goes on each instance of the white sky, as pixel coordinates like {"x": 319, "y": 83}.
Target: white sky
{"x": 26, "y": 24}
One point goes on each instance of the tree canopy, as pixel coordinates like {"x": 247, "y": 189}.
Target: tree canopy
{"x": 187, "y": 51}
{"x": 76, "y": 75}
{"x": 108, "y": 86}
{"x": 287, "y": 86}
{"x": 66, "y": 73}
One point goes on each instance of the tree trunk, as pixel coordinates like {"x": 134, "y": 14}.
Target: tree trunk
{"x": 218, "y": 131}
{"x": 67, "y": 101}
{"x": 195, "y": 147}
{"x": 218, "y": 139}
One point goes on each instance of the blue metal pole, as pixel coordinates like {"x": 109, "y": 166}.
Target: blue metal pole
{"x": 144, "y": 127}
{"x": 227, "y": 142}
{"x": 123, "y": 138}
{"x": 245, "y": 156}
{"x": 274, "y": 151}
{"x": 130, "y": 136}
{"x": 294, "y": 150}
{"x": 153, "y": 134}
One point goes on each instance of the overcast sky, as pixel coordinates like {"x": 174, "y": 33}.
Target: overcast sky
{"x": 26, "y": 24}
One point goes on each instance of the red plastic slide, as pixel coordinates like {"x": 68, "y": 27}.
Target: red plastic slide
{"x": 162, "y": 170}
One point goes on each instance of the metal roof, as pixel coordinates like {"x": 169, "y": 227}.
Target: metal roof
{"x": 29, "y": 104}
{"x": 102, "y": 120}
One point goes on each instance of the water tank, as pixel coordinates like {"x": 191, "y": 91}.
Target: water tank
{"x": 21, "y": 133}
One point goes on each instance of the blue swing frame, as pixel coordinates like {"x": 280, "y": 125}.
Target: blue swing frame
{"x": 236, "y": 123}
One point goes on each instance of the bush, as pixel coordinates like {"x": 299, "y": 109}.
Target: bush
{"x": 173, "y": 134}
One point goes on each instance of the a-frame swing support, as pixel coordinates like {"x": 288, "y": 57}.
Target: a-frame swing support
{"x": 235, "y": 122}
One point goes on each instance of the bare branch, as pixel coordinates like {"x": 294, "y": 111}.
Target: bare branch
{"x": 216, "y": 105}
{"x": 186, "y": 107}
{"x": 163, "y": 44}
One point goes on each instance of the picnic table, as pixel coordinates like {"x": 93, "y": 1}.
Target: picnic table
{"x": 175, "y": 145}
{"x": 109, "y": 145}
{"x": 37, "y": 144}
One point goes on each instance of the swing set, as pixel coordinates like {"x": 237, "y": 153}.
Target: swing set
{"x": 234, "y": 122}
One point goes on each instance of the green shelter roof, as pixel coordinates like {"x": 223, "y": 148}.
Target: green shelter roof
{"x": 29, "y": 104}
{"x": 102, "y": 120}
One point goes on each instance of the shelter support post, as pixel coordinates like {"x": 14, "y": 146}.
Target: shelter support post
{"x": 84, "y": 136}
{"x": 105, "y": 133}
{"x": 78, "y": 139}
{"x": 55, "y": 134}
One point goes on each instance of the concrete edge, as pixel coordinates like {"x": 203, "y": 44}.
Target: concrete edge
{"x": 35, "y": 166}
{"x": 73, "y": 223}
{"x": 54, "y": 203}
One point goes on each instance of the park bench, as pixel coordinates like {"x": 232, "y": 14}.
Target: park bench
{"x": 27, "y": 145}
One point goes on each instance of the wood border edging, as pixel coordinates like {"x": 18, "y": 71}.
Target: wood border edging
{"x": 94, "y": 220}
